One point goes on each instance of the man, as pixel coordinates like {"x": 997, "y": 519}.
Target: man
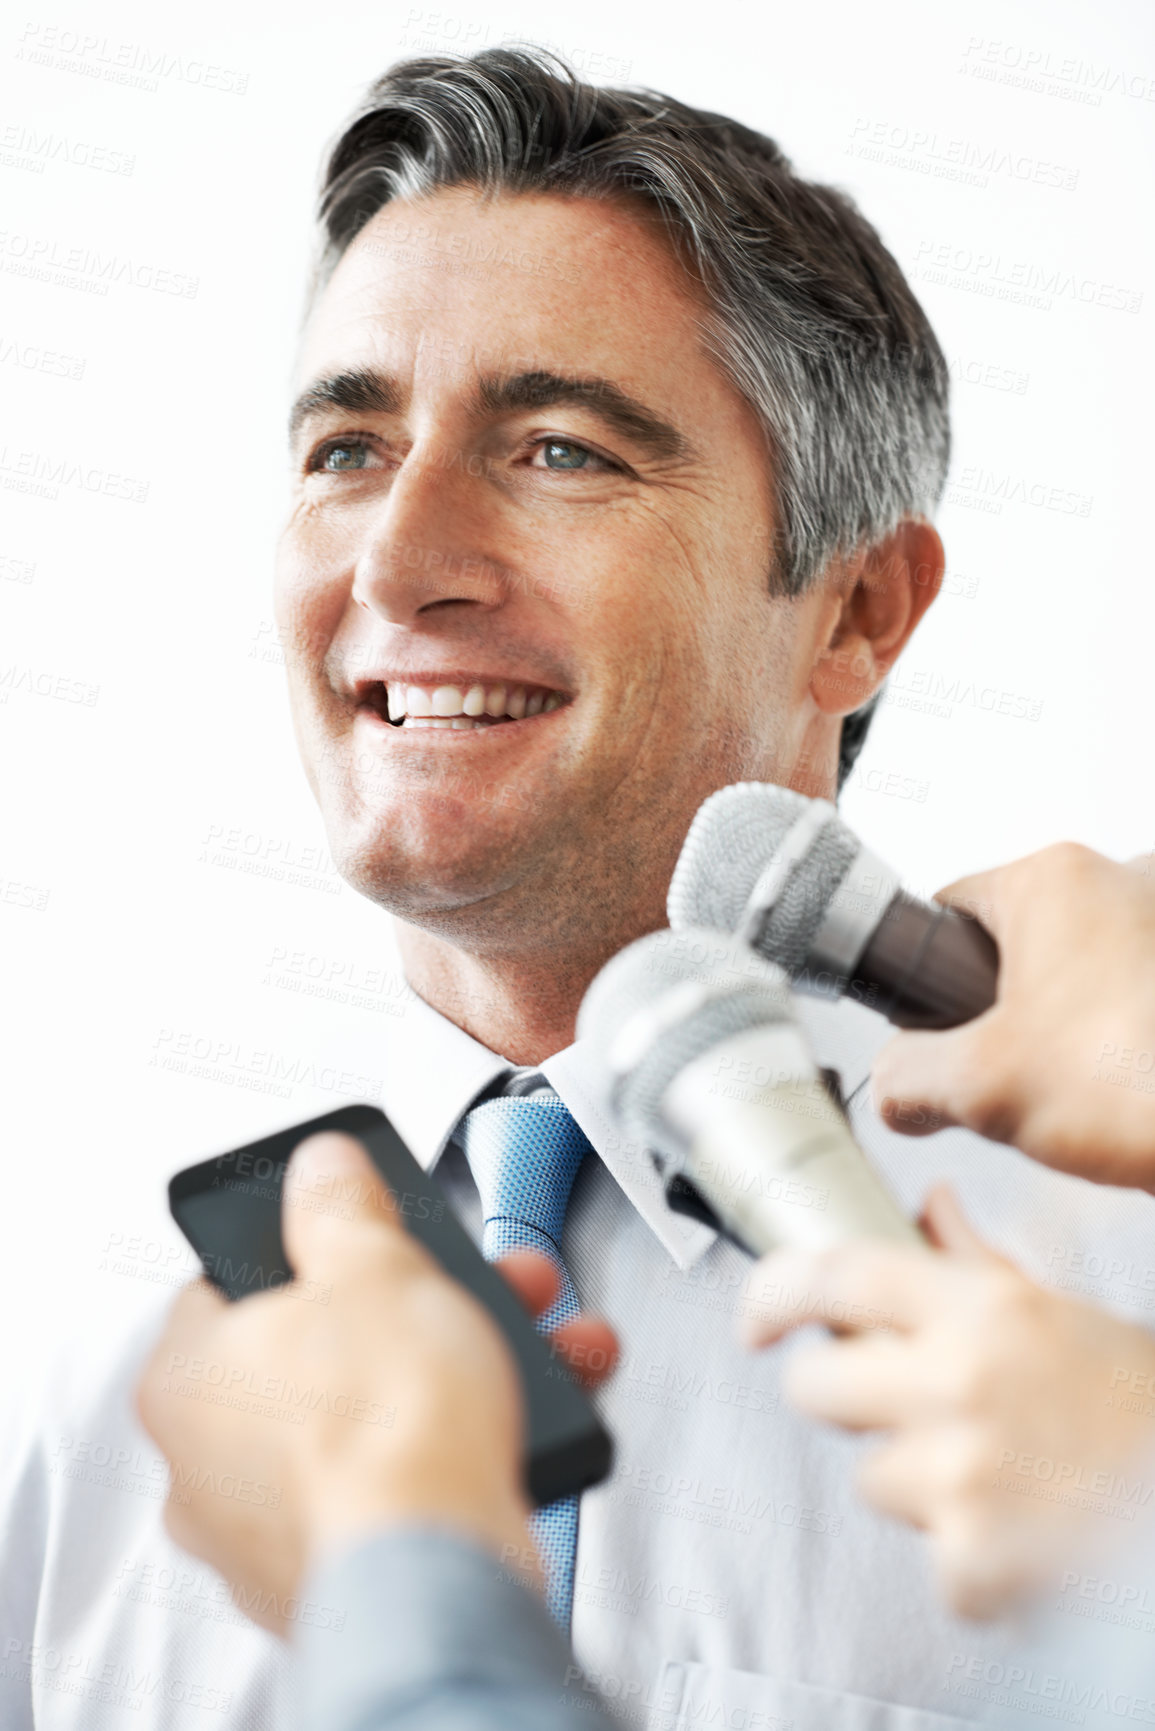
{"x": 615, "y": 445}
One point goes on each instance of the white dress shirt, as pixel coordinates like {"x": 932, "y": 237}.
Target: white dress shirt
{"x": 727, "y": 1574}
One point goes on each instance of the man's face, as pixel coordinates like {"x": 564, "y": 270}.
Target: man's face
{"x": 522, "y": 486}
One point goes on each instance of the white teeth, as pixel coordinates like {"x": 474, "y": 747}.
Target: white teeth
{"x": 447, "y": 700}
{"x": 440, "y": 705}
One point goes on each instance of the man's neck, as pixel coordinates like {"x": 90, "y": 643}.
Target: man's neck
{"x": 523, "y": 1002}
{"x": 521, "y": 1006}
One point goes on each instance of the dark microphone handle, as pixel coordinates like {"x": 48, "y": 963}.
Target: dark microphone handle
{"x": 927, "y": 966}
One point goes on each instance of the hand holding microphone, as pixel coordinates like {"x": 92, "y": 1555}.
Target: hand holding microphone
{"x": 967, "y": 1363}
{"x": 1010, "y": 1415}
{"x": 1063, "y": 1064}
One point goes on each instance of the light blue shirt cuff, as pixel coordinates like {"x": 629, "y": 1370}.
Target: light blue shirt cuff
{"x": 422, "y": 1629}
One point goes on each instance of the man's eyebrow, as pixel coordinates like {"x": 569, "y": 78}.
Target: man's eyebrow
{"x": 361, "y": 391}
{"x": 625, "y": 414}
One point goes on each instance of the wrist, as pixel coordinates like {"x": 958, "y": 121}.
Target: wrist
{"x": 342, "y": 1508}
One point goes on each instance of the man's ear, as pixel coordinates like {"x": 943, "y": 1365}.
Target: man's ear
{"x": 885, "y": 592}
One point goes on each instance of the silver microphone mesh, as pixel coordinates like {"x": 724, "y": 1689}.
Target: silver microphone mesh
{"x": 664, "y": 1001}
{"x": 734, "y": 837}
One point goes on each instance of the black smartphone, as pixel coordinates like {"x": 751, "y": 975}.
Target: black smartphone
{"x": 229, "y": 1209}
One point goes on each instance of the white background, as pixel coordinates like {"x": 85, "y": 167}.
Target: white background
{"x": 1014, "y": 141}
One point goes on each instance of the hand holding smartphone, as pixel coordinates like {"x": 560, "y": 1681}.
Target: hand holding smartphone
{"x": 229, "y": 1208}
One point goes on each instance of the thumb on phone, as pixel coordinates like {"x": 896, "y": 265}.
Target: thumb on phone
{"x": 336, "y": 1206}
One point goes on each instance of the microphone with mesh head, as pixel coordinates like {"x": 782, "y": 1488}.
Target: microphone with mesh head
{"x": 787, "y": 875}
{"x": 701, "y": 1061}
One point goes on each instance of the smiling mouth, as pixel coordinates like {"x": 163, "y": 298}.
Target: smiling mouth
{"x": 455, "y": 707}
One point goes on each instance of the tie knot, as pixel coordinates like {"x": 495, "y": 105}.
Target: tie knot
{"x": 524, "y": 1156}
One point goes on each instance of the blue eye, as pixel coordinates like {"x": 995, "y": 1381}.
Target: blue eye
{"x": 348, "y": 455}
{"x": 560, "y": 454}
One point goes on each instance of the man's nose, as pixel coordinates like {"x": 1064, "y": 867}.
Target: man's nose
{"x": 428, "y": 542}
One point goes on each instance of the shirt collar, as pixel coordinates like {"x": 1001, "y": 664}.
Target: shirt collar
{"x": 434, "y": 1070}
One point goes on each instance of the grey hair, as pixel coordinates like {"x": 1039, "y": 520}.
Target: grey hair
{"x": 809, "y": 315}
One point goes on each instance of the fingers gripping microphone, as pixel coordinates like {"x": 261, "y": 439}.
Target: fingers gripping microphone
{"x": 787, "y": 875}
{"x": 704, "y": 1064}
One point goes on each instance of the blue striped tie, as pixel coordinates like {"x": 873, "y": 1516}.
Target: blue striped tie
{"x": 524, "y": 1155}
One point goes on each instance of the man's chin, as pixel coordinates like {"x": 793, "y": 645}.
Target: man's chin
{"x": 435, "y": 887}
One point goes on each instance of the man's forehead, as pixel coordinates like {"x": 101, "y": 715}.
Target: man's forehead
{"x": 461, "y": 231}
{"x": 389, "y": 346}
{"x": 461, "y": 283}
